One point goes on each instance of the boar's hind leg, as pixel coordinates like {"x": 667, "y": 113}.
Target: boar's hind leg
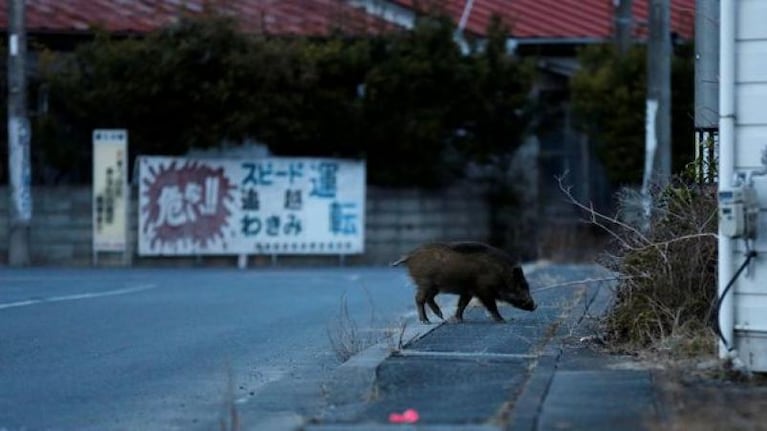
{"x": 489, "y": 303}
{"x": 463, "y": 301}
{"x": 420, "y": 301}
{"x": 433, "y": 305}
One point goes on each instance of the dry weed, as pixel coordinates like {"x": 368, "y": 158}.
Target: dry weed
{"x": 345, "y": 336}
{"x": 667, "y": 264}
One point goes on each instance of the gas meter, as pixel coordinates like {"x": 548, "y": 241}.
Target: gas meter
{"x": 738, "y": 212}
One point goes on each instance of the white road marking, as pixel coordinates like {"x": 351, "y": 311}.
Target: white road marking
{"x": 469, "y": 355}
{"x": 77, "y": 296}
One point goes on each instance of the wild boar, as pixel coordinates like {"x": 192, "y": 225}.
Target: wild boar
{"x": 467, "y": 269}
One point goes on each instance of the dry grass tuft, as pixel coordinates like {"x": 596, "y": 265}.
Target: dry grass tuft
{"x": 346, "y": 337}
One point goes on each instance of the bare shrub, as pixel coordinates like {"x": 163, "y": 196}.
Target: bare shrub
{"x": 667, "y": 264}
{"x": 345, "y": 335}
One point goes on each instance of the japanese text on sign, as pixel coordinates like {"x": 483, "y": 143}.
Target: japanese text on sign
{"x": 110, "y": 189}
{"x": 271, "y": 206}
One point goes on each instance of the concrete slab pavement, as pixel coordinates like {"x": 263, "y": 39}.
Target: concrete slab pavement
{"x": 533, "y": 373}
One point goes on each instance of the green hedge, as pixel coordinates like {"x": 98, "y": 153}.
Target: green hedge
{"x": 410, "y": 103}
{"x": 609, "y": 96}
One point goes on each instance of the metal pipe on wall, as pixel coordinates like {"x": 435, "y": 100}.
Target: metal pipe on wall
{"x": 726, "y": 162}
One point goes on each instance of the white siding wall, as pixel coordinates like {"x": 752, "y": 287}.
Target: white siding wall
{"x": 750, "y": 139}
{"x": 751, "y": 83}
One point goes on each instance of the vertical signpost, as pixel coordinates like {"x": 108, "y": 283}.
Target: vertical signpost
{"x": 658, "y": 105}
{"x": 110, "y": 192}
{"x": 19, "y": 172}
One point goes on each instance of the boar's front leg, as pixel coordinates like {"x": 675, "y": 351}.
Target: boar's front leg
{"x": 463, "y": 301}
{"x": 489, "y": 303}
{"x": 433, "y": 305}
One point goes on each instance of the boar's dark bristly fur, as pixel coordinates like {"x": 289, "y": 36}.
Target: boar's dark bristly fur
{"x": 467, "y": 269}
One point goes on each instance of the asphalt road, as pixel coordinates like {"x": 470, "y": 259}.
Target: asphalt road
{"x": 174, "y": 349}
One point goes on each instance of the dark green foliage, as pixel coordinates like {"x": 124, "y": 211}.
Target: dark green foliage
{"x": 411, "y": 97}
{"x": 683, "y": 107}
{"x": 609, "y": 96}
{"x": 4, "y": 114}
{"x": 410, "y": 103}
{"x": 171, "y": 90}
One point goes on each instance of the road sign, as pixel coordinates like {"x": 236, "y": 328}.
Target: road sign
{"x": 110, "y": 190}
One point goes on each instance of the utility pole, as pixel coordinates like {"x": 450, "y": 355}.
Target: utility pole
{"x": 623, "y": 25}
{"x": 19, "y": 177}
{"x": 658, "y": 120}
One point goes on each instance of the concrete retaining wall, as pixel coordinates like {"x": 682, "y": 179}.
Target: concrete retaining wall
{"x": 396, "y": 221}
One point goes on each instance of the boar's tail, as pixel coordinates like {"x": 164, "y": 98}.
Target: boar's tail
{"x": 401, "y": 260}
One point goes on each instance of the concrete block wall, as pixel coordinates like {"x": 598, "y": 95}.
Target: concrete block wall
{"x": 396, "y": 221}
{"x": 60, "y": 232}
{"x": 400, "y": 220}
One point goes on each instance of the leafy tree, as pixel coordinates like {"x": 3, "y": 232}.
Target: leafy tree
{"x": 313, "y": 107}
{"x": 498, "y": 112}
{"x": 169, "y": 90}
{"x": 609, "y": 95}
{"x": 411, "y": 96}
{"x": 4, "y": 114}
{"x": 428, "y": 101}
{"x": 411, "y": 103}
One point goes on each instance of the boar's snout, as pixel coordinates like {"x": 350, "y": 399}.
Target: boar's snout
{"x": 518, "y": 293}
{"x": 519, "y": 299}
{"x": 529, "y": 305}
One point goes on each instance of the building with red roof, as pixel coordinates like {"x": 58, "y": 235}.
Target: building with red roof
{"x": 558, "y": 19}
{"x": 548, "y": 30}
{"x": 278, "y": 17}
{"x": 530, "y": 20}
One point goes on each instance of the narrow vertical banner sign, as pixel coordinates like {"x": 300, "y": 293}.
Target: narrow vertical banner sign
{"x": 110, "y": 190}
{"x": 274, "y": 206}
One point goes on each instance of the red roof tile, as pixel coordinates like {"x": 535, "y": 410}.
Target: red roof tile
{"x": 562, "y": 18}
{"x": 308, "y": 17}
{"x": 528, "y": 18}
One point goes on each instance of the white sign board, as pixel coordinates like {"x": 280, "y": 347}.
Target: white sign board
{"x": 255, "y": 206}
{"x": 110, "y": 190}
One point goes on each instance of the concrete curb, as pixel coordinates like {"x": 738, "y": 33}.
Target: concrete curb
{"x": 353, "y": 382}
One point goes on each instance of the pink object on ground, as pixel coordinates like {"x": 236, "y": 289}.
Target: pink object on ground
{"x": 409, "y": 416}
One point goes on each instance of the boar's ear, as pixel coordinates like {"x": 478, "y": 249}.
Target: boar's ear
{"x": 517, "y": 273}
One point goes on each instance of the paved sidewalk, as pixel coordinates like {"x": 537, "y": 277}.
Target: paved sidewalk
{"x": 540, "y": 371}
